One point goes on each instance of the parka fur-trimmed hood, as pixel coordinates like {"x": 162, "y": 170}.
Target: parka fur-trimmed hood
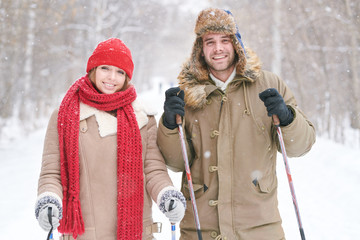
{"x": 194, "y": 76}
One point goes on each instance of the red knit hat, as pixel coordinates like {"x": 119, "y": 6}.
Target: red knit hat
{"x": 112, "y": 52}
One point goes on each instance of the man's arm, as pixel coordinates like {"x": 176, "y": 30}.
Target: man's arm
{"x": 170, "y": 146}
{"x": 298, "y": 132}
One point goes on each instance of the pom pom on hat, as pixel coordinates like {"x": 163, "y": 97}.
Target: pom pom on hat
{"x": 112, "y": 52}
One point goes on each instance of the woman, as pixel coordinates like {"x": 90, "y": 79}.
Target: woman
{"x": 101, "y": 165}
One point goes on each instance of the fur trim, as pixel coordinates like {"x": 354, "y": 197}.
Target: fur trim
{"x": 108, "y": 123}
{"x": 195, "y": 85}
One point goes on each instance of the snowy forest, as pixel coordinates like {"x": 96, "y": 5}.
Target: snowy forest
{"x": 313, "y": 45}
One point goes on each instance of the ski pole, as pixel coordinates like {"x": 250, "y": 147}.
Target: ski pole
{"x": 283, "y": 151}
{"x": 188, "y": 175}
{"x": 50, "y": 235}
{"x": 171, "y": 207}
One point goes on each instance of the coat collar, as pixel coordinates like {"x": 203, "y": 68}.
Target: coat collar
{"x": 108, "y": 123}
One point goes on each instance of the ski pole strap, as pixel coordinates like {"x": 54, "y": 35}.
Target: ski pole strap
{"x": 50, "y": 221}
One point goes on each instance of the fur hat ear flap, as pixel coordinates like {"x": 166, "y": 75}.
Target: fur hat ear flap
{"x": 198, "y": 65}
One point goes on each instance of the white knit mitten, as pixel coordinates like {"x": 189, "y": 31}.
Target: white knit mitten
{"x": 172, "y": 203}
{"x": 45, "y": 201}
{"x": 43, "y": 218}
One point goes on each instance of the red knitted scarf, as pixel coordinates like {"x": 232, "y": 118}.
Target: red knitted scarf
{"x": 129, "y": 158}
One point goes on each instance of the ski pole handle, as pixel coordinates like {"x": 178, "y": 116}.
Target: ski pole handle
{"x": 276, "y": 120}
{"x": 178, "y": 119}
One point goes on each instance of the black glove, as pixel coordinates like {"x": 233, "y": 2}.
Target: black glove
{"x": 174, "y": 104}
{"x": 275, "y": 104}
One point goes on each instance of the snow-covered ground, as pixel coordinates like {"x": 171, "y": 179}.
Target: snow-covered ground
{"x": 326, "y": 183}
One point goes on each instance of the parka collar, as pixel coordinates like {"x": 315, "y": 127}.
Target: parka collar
{"x": 108, "y": 123}
{"x": 197, "y": 87}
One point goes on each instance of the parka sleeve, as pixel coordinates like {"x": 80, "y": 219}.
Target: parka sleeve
{"x": 170, "y": 146}
{"x": 299, "y": 136}
{"x": 156, "y": 174}
{"x": 50, "y": 179}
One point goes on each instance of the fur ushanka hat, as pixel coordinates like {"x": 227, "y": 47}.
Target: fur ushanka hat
{"x": 194, "y": 75}
{"x": 213, "y": 20}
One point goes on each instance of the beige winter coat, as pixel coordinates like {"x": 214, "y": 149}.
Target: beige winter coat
{"x": 232, "y": 148}
{"x": 98, "y": 180}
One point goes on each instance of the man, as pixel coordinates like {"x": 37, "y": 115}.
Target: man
{"x": 231, "y": 141}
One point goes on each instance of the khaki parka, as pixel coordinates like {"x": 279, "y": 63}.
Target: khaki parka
{"x": 232, "y": 148}
{"x": 98, "y": 179}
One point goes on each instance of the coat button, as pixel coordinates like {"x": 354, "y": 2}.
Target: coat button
{"x": 213, "y": 234}
{"x": 213, "y": 168}
{"x": 213, "y": 203}
{"x": 214, "y": 133}
{"x": 83, "y": 126}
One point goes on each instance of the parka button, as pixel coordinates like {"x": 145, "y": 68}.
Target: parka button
{"x": 83, "y": 126}
{"x": 213, "y": 168}
{"x": 214, "y": 133}
{"x": 213, "y": 234}
{"x": 213, "y": 203}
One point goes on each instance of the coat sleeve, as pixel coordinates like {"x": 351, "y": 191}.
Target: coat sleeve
{"x": 50, "y": 179}
{"x": 170, "y": 146}
{"x": 299, "y": 136}
{"x": 156, "y": 174}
